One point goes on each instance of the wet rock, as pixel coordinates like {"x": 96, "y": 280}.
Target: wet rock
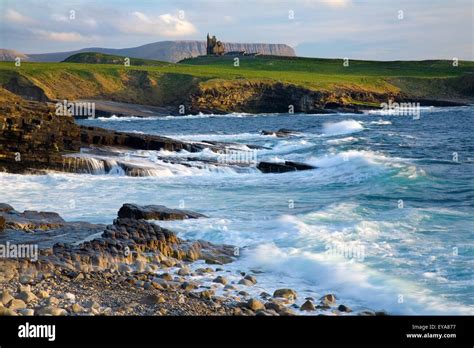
{"x": 265, "y": 295}
{"x": 2, "y": 223}
{"x": 245, "y": 282}
{"x": 251, "y": 278}
{"x": 279, "y": 133}
{"x": 155, "y": 212}
{"x": 30, "y": 220}
{"x": 283, "y": 167}
{"x": 204, "y": 270}
{"x": 189, "y": 286}
{"x": 328, "y": 300}
{"x": 366, "y": 313}
{"x": 307, "y": 306}
{"x": 184, "y": 271}
{"x": 285, "y": 293}
{"x": 343, "y": 308}
{"x": 220, "y": 280}
{"x": 277, "y": 307}
{"x": 255, "y": 304}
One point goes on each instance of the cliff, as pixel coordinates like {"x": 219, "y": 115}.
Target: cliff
{"x": 169, "y": 51}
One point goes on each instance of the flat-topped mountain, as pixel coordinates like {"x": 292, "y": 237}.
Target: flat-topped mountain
{"x": 11, "y": 55}
{"x": 168, "y": 51}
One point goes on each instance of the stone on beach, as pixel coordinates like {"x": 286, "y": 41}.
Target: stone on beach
{"x": 285, "y": 293}
{"x": 307, "y": 306}
{"x": 255, "y": 304}
{"x": 328, "y": 300}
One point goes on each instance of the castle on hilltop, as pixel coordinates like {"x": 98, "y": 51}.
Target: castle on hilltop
{"x": 214, "y": 47}
{"x": 217, "y": 48}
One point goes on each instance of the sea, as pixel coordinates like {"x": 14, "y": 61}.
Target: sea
{"x": 385, "y": 220}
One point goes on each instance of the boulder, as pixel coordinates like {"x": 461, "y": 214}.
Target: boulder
{"x": 220, "y": 280}
{"x": 328, "y": 300}
{"x": 283, "y": 167}
{"x": 285, "y": 293}
{"x": 155, "y": 212}
{"x": 307, "y": 306}
{"x": 255, "y": 305}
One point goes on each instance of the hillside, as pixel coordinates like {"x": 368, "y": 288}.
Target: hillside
{"x": 259, "y": 84}
{"x": 168, "y": 51}
{"x": 101, "y": 58}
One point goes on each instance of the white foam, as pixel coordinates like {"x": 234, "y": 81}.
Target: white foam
{"x": 343, "y": 127}
{"x": 345, "y": 140}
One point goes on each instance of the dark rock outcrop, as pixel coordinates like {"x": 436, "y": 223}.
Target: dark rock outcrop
{"x": 155, "y": 212}
{"x": 32, "y": 135}
{"x": 29, "y": 220}
{"x": 287, "y": 166}
{"x": 281, "y": 133}
{"x": 105, "y": 137}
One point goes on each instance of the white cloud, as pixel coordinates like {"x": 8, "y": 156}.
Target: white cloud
{"x": 337, "y": 3}
{"x": 16, "y": 17}
{"x": 163, "y": 25}
{"x": 62, "y": 36}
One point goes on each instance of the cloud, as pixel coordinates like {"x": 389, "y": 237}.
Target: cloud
{"x": 16, "y": 17}
{"x": 62, "y": 36}
{"x": 337, "y": 3}
{"x": 163, "y": 25}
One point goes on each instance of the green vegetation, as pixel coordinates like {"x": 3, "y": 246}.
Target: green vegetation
{"x": 102, "y": 58}
{"x": 158, "y": 83}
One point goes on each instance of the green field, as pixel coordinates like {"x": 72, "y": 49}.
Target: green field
{"x": 163, "y": 82}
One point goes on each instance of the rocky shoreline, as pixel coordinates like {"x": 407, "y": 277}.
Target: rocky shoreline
{"x": 135, "y": 267}
{"x": 33, "y": 140}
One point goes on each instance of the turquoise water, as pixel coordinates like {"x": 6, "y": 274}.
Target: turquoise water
{"x": 385, "y": 221}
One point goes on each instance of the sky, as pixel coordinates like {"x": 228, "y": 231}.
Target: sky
{"x": 356, "y": 29}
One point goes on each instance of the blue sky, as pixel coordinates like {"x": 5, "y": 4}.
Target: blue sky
{"x": 363, "y": 29}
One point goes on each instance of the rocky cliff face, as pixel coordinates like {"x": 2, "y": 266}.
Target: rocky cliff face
{"x": 170, "y": 51}
{"x": 31, "y": 135}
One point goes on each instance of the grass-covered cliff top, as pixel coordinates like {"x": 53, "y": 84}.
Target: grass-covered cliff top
{"x": 165, "y": 82}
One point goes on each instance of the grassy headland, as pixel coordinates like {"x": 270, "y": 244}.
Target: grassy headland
{"x": 215, "y": 84}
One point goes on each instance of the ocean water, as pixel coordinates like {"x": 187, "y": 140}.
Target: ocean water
{"x": 385, "y": 222}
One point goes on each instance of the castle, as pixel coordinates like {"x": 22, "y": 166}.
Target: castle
{"x": 217, "y": 48}
{"x": 214, "y": 47}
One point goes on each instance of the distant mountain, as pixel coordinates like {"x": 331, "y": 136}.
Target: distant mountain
{"x": 11, "y": 55}
{"x": 169, "y": 51}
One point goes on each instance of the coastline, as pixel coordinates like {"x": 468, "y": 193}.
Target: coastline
{"x": 137, "y": 268}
